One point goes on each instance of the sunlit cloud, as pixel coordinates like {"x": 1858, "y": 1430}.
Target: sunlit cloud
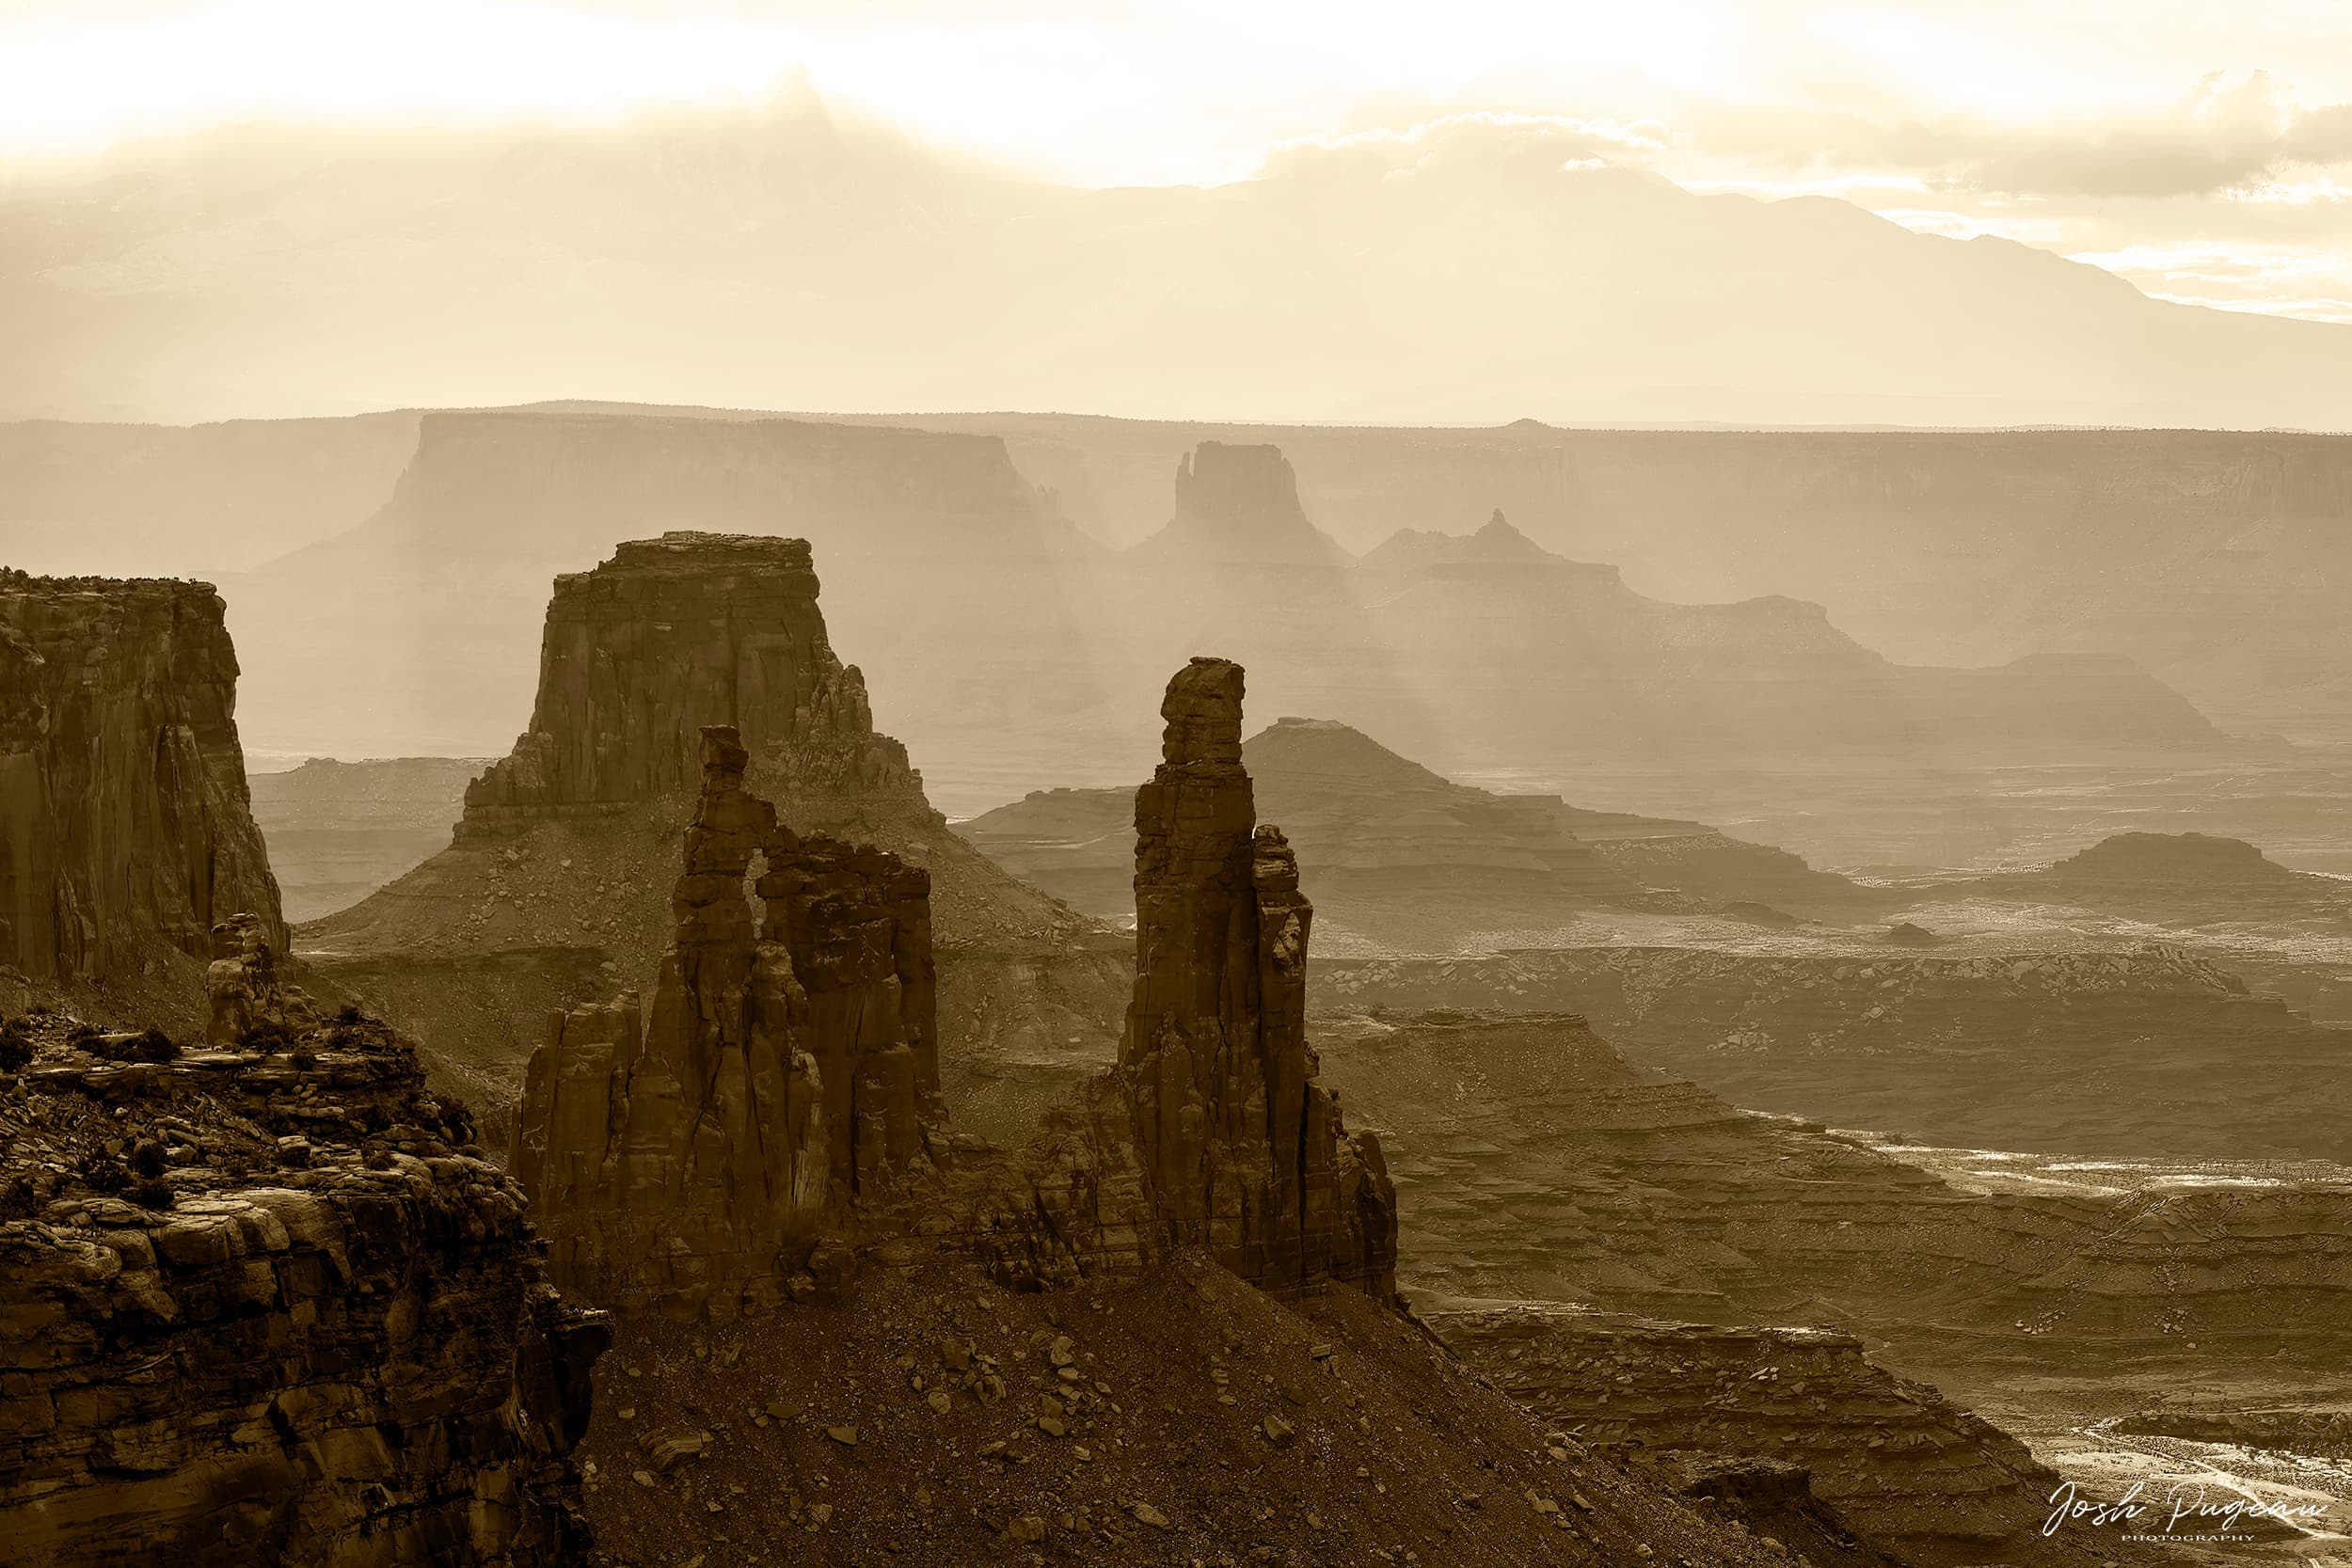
{"x": 1970, "y": 226}
{"x": 2103, "y": 130}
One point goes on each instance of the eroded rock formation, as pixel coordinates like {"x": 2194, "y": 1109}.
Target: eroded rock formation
{"x": 711, "y": 629}
{"x": 125, "y": 831}
{"x": 1211, "y": 1130}
{"x": 272, "y": 1307}
{"x": 789, "y": 1066}
{"x": 553, "y": 894}
{"x": 245, "y": 988}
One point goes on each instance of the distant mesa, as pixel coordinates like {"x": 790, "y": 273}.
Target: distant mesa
{"x": 1239, "y": 504}
{"x": 2178, "y": 878}
{"x": 1004, "y": 642}
{"x": 2172, "y": 857}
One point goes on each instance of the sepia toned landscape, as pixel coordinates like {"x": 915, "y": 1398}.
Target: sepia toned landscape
{"x": 1601, "y": 817}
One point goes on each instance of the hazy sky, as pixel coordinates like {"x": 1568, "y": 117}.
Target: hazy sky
{"x": 2201, "y": 148}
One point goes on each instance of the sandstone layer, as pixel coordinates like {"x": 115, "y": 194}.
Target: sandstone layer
{"x": 125, "y": 830}
{"x": 549, "y": 895}
{"x": 1897, "y": 1459}
{"x": 789, "y": 1066}
{"x": 1534, "y": 1164}
{"x": 1533, "y": 1159}
{"x": 2155, "y": 1053}
{"x": 265, "y": 1302}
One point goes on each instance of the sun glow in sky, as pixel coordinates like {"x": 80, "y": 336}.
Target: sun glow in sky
{"x": 2201, "y": 148}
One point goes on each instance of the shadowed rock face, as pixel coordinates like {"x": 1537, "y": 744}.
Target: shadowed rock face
{"x": 784, "y": 1071}
{"x": 1211, "y": 1130}
{"x": 124, "y": 824}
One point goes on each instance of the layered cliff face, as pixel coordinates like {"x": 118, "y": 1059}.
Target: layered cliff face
{"x": 551, "y": 895}
{"x": 2155, "y": 1053}
{"x": 719, "y": 627}
{"x": 789, "y": 1066}
{"x": 1211, "y": 1130}
{"x": 1533, "y": 1162}
{"x": 1900, "y": 1461}
{"x": 265, "y": 1302}
{"x": 125, "y": 831}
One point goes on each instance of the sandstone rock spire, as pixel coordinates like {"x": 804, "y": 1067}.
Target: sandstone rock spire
{"x": 1239, "y": 1148}
{"x": 1211, "y": 1130}
{"x": 789, "y": 1066}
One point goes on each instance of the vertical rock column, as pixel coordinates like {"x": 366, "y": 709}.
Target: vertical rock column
{"x": 1190, "y": 1048}
{"x": 1239, "y": 1148}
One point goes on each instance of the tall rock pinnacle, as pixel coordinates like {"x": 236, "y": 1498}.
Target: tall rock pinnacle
{"x": 1211, "y": 1130}
{"x": 1239, "y": 1148}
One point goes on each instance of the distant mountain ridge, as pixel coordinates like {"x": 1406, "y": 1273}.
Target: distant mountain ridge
{"x": 781, "y": 258}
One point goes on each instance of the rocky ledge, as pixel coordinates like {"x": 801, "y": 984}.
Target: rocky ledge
{"x": 1894, "y": 1457}
{"x": 266, "y": 1302}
